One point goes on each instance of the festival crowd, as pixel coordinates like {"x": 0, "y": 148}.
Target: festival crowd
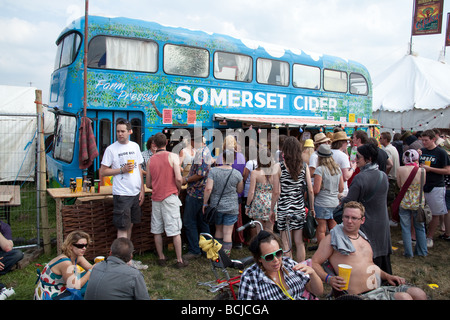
{"x": 356, "y": 188}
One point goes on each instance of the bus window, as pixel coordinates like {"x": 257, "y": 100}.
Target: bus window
{"x": 272, "y": 72}
{"x": 334, "y": 80}
{"x": 67, "y": 50}
{"x": 136, "y": 127}
{"x": 186, "y": 61}
{"x": 123, "y": 54}
{"x": 358, "y": 84}
{"x": 307, "y": 77}
{"x": 65, "y": 138}
{"x": 105, "y": 138}
{"x": 230, "y": 66}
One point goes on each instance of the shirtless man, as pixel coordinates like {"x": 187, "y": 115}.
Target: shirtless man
{"x": 346, "y": 244}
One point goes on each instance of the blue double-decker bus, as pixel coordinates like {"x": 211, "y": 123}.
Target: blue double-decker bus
{"x": 162, "y": 78}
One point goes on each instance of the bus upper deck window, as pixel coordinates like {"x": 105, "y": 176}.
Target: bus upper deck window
{"x": 307, "y": 77}
{"x": 272, "y": 72}
{"x": 123, "y": 54}
{"x": 186, "y": 61}
{"x": 67, "y": 50}
{"x": 234, "y": 67}
{"x": 358, "y": 84}
{"x": 334, "y": 80}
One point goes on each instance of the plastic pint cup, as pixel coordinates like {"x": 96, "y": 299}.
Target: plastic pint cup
{"x": 99, "y": 259}
{"x": 428, "y": 163}
{"x": 131, "y": 161}
{"x": 344, "y": 272}
{"x": 79, "y": 184}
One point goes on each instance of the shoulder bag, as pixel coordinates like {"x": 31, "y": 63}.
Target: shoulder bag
{"x": 339, "y": 210}
{"x": 395, "y": 207}
{"x": 210, "y": 211}
{"x": 421, "y": 211}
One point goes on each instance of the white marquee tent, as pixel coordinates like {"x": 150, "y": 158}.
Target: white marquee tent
{"x": 413, "y": 94}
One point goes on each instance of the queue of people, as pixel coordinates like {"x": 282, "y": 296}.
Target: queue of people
{"x": 293, "y": 183}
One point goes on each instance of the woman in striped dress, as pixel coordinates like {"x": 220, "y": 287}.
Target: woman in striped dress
{"x": 291, "y": 180}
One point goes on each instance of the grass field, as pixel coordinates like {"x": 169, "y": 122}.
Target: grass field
{"x": 181, "y": 284}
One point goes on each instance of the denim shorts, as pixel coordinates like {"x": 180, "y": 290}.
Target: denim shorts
{"x": 225, "y": 219}
{"x": 325, "y": 213}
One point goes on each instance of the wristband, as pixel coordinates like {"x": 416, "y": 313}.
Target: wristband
{"x": 121, "y": 171}
{"x": 326, "y": 278}
{"x": 205, "y": 205}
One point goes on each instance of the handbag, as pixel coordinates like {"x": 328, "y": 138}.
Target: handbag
{"x": 421, "y": 215}
{"x": 339, "y": 210}
{"x": 395, "y": 206}
{"x": 210, "y": 211}
{"x": 309, "y": 231}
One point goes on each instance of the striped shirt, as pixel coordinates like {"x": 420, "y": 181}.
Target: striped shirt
{"x": 255, "y": 285}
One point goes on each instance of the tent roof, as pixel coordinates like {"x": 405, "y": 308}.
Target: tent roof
{"x": 412, "y": 83}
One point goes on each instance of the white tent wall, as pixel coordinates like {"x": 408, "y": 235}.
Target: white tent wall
{"x": 415, "y": 120}
{"x": 413, "y": 94}
{"x": 18, "y": 133}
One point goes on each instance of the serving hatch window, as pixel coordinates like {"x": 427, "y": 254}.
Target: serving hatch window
{"x": 123, "y": 54}
{"x": 186, "y": 61}
{"x": 307, "y": 77}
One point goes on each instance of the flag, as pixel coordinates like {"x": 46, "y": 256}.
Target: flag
{"x": 427, "y": 17}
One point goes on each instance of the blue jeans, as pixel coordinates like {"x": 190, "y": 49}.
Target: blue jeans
{"x": 421, "y": 238}
{"x": 193, "y": 223}
{"x": 9, "y": 259}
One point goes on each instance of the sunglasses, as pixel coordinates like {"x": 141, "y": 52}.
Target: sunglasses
{"x": 80, "y": 245}
{"x": 270, "y": 256}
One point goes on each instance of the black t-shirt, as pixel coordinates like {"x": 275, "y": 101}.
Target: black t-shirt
{"x": 438, "y": 159}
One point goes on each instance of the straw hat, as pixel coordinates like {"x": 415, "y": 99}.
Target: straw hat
{"x": 324, "y": 150}
{"x": 320, "y": 138}
{"x": 340, "y": 135}
{"x": 308, "y": 143}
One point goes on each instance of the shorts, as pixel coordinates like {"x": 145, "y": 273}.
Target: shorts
{"x": 126, "y": 211}
{"x": 325, "y": 213}
{"x": 384, "y": 292}
{"x": 166, "y": 216}
{"x": 436, "y": 201}
{"x": 447, "y": 199}
{"x": 225, "y": 219}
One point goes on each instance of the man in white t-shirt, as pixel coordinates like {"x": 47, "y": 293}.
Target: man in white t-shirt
{"x": 123, "y": 159}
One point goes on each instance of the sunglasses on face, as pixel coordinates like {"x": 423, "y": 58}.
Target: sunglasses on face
{"x": 80, "y": 245}
{"x": 270, "y": 256}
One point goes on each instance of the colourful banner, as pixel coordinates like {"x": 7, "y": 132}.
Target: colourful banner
{"x": 447, "y": 34}
{"x": 427, "y": 17}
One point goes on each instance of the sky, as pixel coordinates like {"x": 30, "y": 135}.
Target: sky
{"x": 374, "y": 33}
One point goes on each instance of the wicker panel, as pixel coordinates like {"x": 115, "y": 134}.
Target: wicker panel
{"x": 95, "y": 218}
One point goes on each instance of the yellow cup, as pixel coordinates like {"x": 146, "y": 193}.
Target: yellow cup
{"x": 132, "y": 162}
{"x": 344, "y": 272}
{"x": 79, "y": 184}
{"x": 428, "y": 163}
{"x": 99, "y": 259}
